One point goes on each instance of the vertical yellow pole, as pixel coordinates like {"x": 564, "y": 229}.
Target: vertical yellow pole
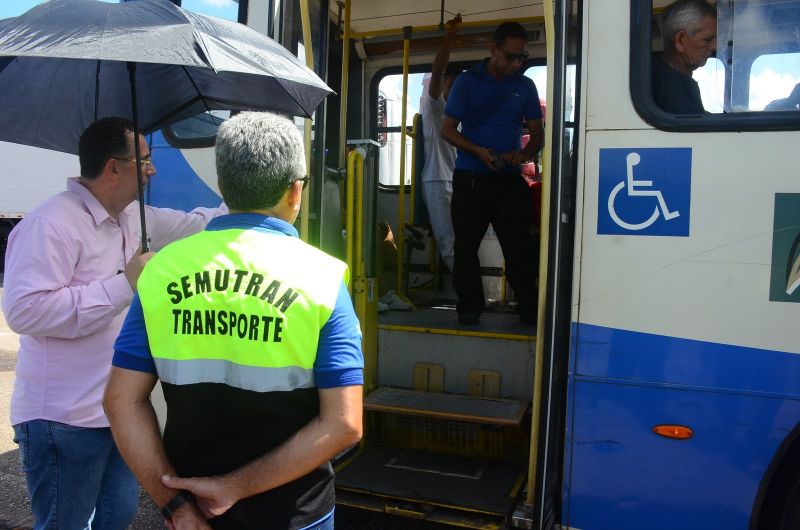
{"x": 401, "y": 207}
{"x": 549, "y": 31}
{"x": 364, "y": 303}
{"x": 412, "y": 200}
{"x": 358, "y": 259}
{"x": 348, "y": 212}
{"x": 309, "y": 48}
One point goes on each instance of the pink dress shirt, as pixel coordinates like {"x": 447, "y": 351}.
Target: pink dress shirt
{"x": 65, "y": 295}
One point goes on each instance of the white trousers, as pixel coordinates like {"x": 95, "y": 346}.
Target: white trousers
{"x": 437, "y": 195}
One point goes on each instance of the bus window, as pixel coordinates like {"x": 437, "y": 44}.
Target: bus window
{"x": 775, "y": 74}
{"x": 764, "y": 52}
{"x": 199, "y": 130}
{"x": 737, "y": 58}
{"x": 538, "y": 74}
{"x": 711, "y": 79}
{"x": 390, "y": 95}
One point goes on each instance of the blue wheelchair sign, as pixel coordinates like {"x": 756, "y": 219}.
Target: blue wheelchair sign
{"x": 644, "y": 191}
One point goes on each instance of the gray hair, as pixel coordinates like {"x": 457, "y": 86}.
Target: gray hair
{"x": 259, "y": 155}
{"x": 684, "y": 15}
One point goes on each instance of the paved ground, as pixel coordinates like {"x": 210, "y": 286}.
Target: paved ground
{"x": 14, "y": 510}
{"x": 14, "y": 506}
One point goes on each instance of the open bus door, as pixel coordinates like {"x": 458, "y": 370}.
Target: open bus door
{"x": 463, "y": 426}
{"x": 564, "y": 89}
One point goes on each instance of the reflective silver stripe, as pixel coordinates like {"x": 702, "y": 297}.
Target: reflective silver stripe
{"x": 255, "y": 378}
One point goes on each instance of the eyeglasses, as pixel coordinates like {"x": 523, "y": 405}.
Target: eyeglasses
{"x": 146, "y": 162}
{"x": 511, "y": 57}
{"x": 304, "y": 180}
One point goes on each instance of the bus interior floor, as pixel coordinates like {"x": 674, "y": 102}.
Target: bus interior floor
{"x": 500, "y": 319}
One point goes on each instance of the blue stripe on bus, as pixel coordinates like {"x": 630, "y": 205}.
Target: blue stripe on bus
{"x": 176, "y": 185}
{"x": 740, "y": 402}
{"x": 622, "y": 355}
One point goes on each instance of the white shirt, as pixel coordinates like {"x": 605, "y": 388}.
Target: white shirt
{"x": 440, "y": 156}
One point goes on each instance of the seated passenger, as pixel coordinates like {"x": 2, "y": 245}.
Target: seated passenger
{"x": 689, "y": 31}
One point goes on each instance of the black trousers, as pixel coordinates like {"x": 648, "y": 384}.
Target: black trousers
{"x": 504, "y": 200}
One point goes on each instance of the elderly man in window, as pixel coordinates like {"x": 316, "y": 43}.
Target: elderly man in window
{"x": 689, "y": 30}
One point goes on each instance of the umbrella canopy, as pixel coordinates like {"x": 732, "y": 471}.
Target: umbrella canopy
{"x": 65, "y": 63}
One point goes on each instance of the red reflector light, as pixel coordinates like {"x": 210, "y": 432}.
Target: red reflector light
{"x": 677, "y": 432}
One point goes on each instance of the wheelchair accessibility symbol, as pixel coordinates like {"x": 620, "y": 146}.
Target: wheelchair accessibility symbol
{"x": 658, "y": 204}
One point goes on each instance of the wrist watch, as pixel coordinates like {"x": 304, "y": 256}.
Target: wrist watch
{"x": 180, "y": 498}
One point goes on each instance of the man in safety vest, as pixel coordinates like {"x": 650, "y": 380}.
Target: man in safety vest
{"x": 254, "y": 338}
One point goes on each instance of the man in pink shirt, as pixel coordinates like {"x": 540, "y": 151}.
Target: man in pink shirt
{"x": 71, "y": 271}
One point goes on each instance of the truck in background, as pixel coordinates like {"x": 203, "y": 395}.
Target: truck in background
{"x": 29, "y": 175}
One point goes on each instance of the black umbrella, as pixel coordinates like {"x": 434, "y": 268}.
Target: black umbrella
{"x": 67, "y": 63}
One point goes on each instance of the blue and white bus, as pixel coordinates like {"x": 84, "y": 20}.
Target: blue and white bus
{"x": 660, "y": 388}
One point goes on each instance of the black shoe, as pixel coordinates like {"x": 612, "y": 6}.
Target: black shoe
{"x": 469, "y": 319}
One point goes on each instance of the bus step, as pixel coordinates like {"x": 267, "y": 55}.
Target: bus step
{"x": 462, "y": 491}
{"x": 455, "y": 407}
{"x": 415, "y": 510}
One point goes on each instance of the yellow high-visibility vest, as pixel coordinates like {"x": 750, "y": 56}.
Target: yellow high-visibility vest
{"x": 242, "y": 307}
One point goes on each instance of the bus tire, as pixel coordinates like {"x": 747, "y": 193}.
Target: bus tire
{"x": 790, "y": 520}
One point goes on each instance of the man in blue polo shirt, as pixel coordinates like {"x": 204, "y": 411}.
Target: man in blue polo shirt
{"x": 491, "y": 102}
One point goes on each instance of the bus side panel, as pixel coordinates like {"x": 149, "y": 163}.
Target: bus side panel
{"x": 692, "y": 315}
{"x": 677, "y": 328}
{"x": 631, "y": 478}
{"x": 714, "y": 283}
{"x": 185, "y": 178}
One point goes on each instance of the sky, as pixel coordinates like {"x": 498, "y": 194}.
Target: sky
{"x": 219, "y": 8}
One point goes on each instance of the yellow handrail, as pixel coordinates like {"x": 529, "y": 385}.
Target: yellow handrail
{"x": 354, "y": 215}
{"x": 307, "y": 43}
{"x": 348, "y": 213}
{"x": 419, "y": 29}
{"x": 358, "y": 270}
{"x": 413, "y": 199}
{"x": 401, "y": 209}
{"x": 536, "y": 417}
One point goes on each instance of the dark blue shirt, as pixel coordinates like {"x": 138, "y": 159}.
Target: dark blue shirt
{"x": 491, "y": 111}
{"x": 675, "y": 91}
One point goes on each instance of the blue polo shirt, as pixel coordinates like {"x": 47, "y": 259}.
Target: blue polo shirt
{"x": 491, "y": 111}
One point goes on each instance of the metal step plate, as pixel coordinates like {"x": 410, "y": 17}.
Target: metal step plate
{"x": 446, "y": 406}
{"x": 476, "y": 485}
